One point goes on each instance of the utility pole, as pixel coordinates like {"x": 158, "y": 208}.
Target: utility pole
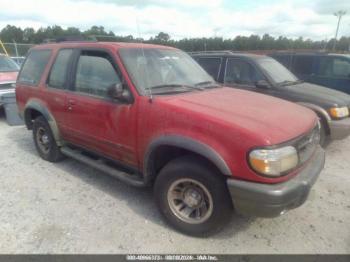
{"x": 15, "y": 47}
{"x": 338, "y": 14}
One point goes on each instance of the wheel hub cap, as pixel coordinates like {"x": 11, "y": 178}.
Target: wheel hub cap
{"x": 45, "y": 139}
{"x": 190, "y": 201}
{"x": 192, "y": 197}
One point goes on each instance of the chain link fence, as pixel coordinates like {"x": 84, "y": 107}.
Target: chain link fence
{"x": 16, "y": 49}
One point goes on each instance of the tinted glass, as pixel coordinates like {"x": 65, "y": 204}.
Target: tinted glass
{"x": 303, "y": 65}
{"x": 334, "y": 67}
{"x": 163, "y": 70}
{"x": 7, "y": 64}
{"x": 276, "y": 71}
{"x": 211, "y": 65}
{"x": 95, "y": 74}
{"x": 34, "y": 66}
{"x": 58, "y": 73}
{"x": 241, "y": 72}
{"x": 283, "y": 59}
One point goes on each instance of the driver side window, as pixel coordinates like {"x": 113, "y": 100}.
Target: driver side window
{"x": 241, "y": 73}
{"x": 95, "y": 73}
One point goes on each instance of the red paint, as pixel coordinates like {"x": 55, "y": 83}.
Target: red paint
{"x": 8, "y": 77}
{"x": 230, "y": 121}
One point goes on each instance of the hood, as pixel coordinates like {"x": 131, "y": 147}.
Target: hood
{"x": 6, "y": 77}
{"x": 270, "y": 119}
{"x": 318, "y": 95}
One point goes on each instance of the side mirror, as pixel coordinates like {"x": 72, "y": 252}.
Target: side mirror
{"x": 119, "y": 92}
{"x": 262, "y": 84}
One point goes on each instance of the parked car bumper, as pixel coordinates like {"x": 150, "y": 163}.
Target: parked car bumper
{"x": 270, "y": 200}
{"x": 339, "y": 129}
{"x": 4, "y": 94}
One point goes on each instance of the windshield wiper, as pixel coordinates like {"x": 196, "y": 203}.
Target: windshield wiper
{"x": 288, "y": 82}
{"x": 175, "y": 88}
{"x": 207, "y": 84}
{"x": 170, "y": 85}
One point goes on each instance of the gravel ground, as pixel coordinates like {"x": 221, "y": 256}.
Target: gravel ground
{"x": 70, "y": 208}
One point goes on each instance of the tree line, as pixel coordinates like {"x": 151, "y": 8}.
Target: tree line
{"x": 10, "y": 34}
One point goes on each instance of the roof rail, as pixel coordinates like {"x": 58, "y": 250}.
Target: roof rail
{"x": 70, "y": 38}
{"x": 310, "y": 51}
{"x": 211, "y": 52}
{"x": 83, "y": 38}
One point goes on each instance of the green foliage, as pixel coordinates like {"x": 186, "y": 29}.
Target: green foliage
{"x": 11, "y": 33}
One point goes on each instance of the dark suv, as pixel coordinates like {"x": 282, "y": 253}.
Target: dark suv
{"x": 326, "y": 69}
{"x": 265, "y": 75}
{"x": 150, "y": 115}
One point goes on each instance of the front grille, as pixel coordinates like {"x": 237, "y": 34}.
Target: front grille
{"x": 307, "y": 145}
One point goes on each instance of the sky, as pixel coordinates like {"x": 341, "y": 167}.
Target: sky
{"x": 312, "y": 19}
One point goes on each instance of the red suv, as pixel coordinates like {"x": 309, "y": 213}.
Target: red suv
{"x": 150, "y": 115}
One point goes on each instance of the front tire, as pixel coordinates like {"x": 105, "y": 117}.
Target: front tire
{"x": 44, "y": 141}
{"x": 192, "y": 196}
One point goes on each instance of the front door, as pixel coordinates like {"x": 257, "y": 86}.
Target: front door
{"x": 242, "y": 74}
{"x": 94, "y": 120}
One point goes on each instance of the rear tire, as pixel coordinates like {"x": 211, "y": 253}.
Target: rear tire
{"x": 44, "y": 141}
{"x": 193, "y": 197}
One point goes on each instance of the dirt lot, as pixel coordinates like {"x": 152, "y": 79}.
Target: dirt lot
{"x": 70, "y": 208}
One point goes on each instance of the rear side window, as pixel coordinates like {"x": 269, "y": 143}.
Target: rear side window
{"x": 303, "y": 65}
{"x": 334, "y": 67}
{"x": 211, "y": 65}
{"x": 58, "y": 73}
{"x": 34, "y": 67}
{"x": 95, "y": 74}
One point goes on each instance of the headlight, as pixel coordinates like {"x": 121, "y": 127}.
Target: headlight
{"x": 339, "y": 112}
{"x": 274, "y": 162}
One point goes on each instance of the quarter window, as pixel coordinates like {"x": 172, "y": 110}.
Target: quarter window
{"x": 34, "y": 66}
{"x": 211, "y": 65}
{"x": 334, "y": 67}
{"x": 95, "y": 74}
{"x": 58, "y": 73}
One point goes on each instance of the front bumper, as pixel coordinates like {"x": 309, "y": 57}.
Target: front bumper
{"x": 266, "y": 200}
{"x": 7, "y": 95}
{"x": 339, "y": 129}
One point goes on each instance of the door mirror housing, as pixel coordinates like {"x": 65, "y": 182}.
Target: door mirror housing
{"x": 262, "y": 84}
{"x": 119, "y": 92}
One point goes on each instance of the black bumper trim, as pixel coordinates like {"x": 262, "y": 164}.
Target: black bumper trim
{"x": 266, "y": 200}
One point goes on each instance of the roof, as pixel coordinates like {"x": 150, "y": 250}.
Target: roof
{"x": 313, "y": 53}
{"x": 115, "y": 45}
{"x": 227, "y": 54}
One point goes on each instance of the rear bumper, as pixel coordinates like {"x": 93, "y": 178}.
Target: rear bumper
{"x": 265, "y": 200}
{"x": 339, "y": 129}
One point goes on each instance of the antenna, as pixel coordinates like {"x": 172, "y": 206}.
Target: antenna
{"x": 144, "y": 57}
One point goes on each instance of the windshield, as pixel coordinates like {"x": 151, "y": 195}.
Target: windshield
{"x": 8, "y": 65}
{"x": 278, "y": 73}
{"x": 164, "y": 70}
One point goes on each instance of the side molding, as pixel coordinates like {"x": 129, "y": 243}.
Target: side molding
{"x": 37, "y": 106}
{"x": 188, "y": 144}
